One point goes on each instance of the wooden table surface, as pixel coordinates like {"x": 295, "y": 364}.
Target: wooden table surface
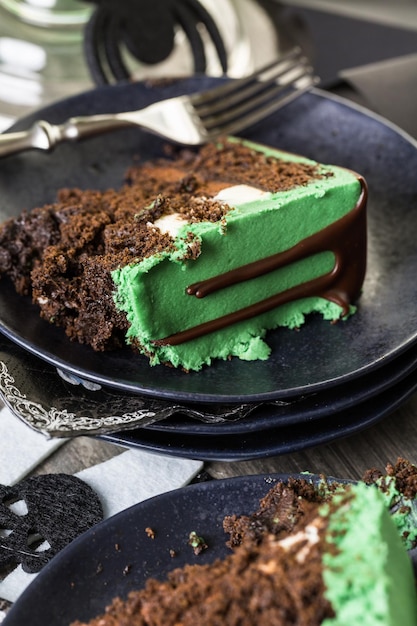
{"x": 393, "y": 436}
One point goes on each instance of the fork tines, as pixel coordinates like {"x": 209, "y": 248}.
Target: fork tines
{"x": 240, "y": 103}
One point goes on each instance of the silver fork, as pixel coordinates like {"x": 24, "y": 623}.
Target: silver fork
{"x": 188, "y": 119}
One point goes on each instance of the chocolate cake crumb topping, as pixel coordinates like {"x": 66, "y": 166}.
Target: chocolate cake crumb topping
{"x": 236, "y": 163}
{"x": 404, "y": 473}
{"x": 279, "y": 511}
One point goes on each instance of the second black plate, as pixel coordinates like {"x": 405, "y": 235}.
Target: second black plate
{"x": 116, "y": 556}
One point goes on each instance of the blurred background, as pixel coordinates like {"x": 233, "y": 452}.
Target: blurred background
{"x": 52, "y": 49}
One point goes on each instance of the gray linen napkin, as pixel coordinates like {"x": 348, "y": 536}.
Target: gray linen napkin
{"x": 126, "y": 479}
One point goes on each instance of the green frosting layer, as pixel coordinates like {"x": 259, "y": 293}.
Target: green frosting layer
{"x": 153, "y": 292}
{"x": 368, "y": 576}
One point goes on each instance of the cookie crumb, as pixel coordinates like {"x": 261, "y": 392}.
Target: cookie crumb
{"x": 127, "y": 570}
{"x": 196, "y": 542}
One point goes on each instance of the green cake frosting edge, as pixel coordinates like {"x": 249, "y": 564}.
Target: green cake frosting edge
{"x": 368, "y": 574}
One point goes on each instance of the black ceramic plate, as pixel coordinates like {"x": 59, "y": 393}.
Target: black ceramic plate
{"x": 260, "y": 444}
{"x": 82, "y": 580}
{"x": 321, "y": 355}
{"x": 301, "y": 409}
{"x": 40, "y": 397}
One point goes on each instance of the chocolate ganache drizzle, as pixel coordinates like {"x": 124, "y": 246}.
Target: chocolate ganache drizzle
{"x": 346, "y": 238}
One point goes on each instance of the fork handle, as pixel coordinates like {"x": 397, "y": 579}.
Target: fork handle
{"x": 45, "y": 136}
{"x": 11, "y": 143}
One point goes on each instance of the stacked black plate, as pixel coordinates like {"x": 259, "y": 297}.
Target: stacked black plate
{"x": 323, "y": 382}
